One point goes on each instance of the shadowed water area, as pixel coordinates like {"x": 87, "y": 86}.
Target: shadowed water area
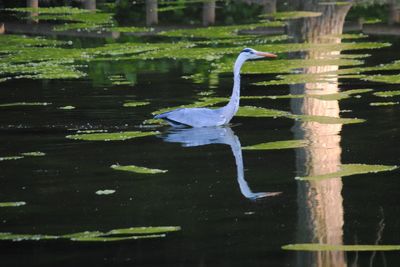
{"x": 305, "y": 174}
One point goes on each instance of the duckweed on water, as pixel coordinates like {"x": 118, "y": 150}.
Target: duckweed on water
{"x": 12, "y": 204}
{"x": 327, "y": 247}
{"x": 131, "y": 104}
{"x": 97, "y": 236}
{"x": 202, "y": 102}
{"x": 137, "y": 169}
{"x": 378, "y": 104}
{"x": 383, "y": 78}
{"x": 119, "y": 136}
{"x": 10, "y": 158}
{"x": 105, "y": 192}
{"x": 278, "y": 145}
{"x": 387, "y": 93}
{"x": 67, "y": 107}
{"x": 18, "y": 104}
{"x": 351, "y": 169}
{"x": 34, "y": 154}
{"x": 249, "y": 111}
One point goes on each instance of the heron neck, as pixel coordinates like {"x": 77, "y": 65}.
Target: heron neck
{"x": 232, "y": 107}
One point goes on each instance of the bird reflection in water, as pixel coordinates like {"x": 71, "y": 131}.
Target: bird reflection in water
{"x": 190, "y": 137}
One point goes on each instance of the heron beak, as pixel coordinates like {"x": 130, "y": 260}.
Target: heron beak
{"x": 264, "y": 54}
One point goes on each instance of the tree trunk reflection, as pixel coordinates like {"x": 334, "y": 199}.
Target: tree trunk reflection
{"x": 320, "y": 203}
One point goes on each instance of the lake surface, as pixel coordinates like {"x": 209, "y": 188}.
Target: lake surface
{"x": 214, "y": 188}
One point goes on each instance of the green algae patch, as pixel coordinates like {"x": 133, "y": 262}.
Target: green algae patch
{"x": 49, "y": 10}
{"x": 67, "y": 108}
{"x": 351, "y": 169}
{"x": 379, "y": 104}
{"x": 18, "y": 104}
{"x": 132, "y": 104}
{"x": 10, "y": 158}
{"x": 119, "y": 136}
{"x": 33, "y": 154}
{"x": 122, "y": 234}
{"x": 131, "y": 29}
{"x": 327, "y": 247}
{"x": 105, "y": 192}
{"x": 326, "y": 119}
{"x": 250, "y": 111}
{"x": 383, "y": 78}
{"x": 340, "y": 95}
{"x": 287, "y": 144}
{"x": 293, "y": 15}
{"x": 387, "y": 93}
{"x": 137, "y": 169}
{"x": 12, "y": 204}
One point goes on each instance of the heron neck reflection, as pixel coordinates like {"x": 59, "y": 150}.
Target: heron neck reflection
{"x": 190, "y": 137}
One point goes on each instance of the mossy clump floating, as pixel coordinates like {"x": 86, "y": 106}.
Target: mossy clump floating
{"x": 132, "y": 104}
{"x": 250, "y": 111}
{"x": 105, "y": 192}
{"x": 136, "y": 169}
{"x": 351, "y": 169}
{"x": 383, "y": 78}
{"x": 118, "y": 136}
{"x": 49, "y": 10}
{"x": 67, "y": 107}
{"x": 202, "y": 102}
{"x": 287, "y": 144}
{"x": 131, "y": 29}
{"x": 325, "y": 119}
{"x": 34, "y": 154}
{"x": 380, "y": 104}
{"x": 122, "y": 234}
{"x": 387, "y": 93}
{"x": 12, "y": 204}
{"x": 19, "y": 104}
{"x": 327, "y": 247}
{"x": 11, "y": 158}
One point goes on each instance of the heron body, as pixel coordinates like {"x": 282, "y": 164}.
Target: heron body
{"x": 205, "y": 117}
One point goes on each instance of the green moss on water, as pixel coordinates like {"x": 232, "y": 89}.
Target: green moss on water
{"x": 327, "y": 247}
{"x": 383, "y": 78}
{"x": 387, "y": 93}
{"x": 135, "y": 104}
{"x": 12, "y": 204}
{"x": 137, "y": 169}
{"x": 202, "y": 102}
{"x": 19, "y": 104}
{"x": 10, "y": 158}
{"x": 105, "y": 192}
{"x": 118, "y": 136}
{"x": 131, "y": 29}
{"x": 34, "y": 154}
{"x": 249, "y": 111}
{"x": 115, "y": 235}
{"x": 278, "y": 145}
{"x": 379, "y": 104}
{"x": 67, "y": 108}
{"x": 326, "y": 119}
{"x": 49, "y": 10}
{"x": 351, "y": 169}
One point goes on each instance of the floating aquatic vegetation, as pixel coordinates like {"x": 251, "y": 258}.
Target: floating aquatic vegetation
{"x": 293, "y": 15}
{"x": 105, "y": 192}
{"x": 135, "y": 104}
{"x": 12, "y": 204}
{"x": 387, "y": 93}
{"x": 33, "y": 154}
{"x": 203, "y": 102}
{"x": 340, "y": 95}
{"x": 378, "y": 104}
{"x": 327, "y": 247}
{"x": 249, "y": 111}
{"x": 325, "y": 119}
{"x": 278, "y": 145}
{"x": 308, "y": 78}
{"x": 91, "y": 131}
{"x": 131, "y": 29}
{"x": 10, "y": 158}
{"x": 218, "y": 31}
{"x": 49, "y": 10}
{"x": 137, "y": 169}
{"x": 67, "y": 107}
{"x": 118, "y": 136}
{"x": 97, "y": 236}
{"x": 170, "y": 8}
{"x": 18, "y": 104}
{"x": 351, "y": 169}
{"x": 383, "y": 78}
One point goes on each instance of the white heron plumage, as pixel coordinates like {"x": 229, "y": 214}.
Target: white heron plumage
{"x": 205, "y": 117}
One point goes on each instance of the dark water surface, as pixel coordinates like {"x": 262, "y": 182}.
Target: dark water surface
{"x": 211, "y": 182}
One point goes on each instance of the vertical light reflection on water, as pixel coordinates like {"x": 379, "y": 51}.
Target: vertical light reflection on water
{"x": 33, "y": 16}
{"x": 320, "y": 203}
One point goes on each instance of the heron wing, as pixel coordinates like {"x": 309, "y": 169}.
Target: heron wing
{"x": 195, "y": 117}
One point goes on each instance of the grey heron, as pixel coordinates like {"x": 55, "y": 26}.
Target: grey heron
{"x": 205, "y": 117}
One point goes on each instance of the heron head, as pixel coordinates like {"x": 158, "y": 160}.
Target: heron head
{"x": 250, "y": 53}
